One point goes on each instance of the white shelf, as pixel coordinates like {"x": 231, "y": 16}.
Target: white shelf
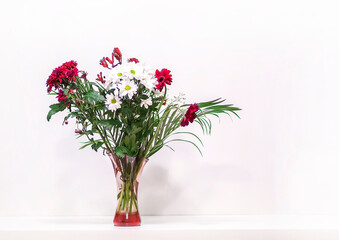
{"x": 232, "y": 227}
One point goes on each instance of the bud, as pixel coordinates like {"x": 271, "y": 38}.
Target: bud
{"x": 135, "y": 60}
{"x": 84, "y": 75}
{"x": 117, "y": 54}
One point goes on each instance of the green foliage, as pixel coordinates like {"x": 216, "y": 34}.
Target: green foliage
{"x": 55, "y": 108}
{"x": 214, "y": 108}
{"x": 109, "y": 123}
{"x": 133, "y": 130}
{"x": 97, "y": 145}
{"x": 93, "y": 96}
{"x": 122, "y": 150}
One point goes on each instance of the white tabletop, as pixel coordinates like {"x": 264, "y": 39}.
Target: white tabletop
{"x": 233, "y": 227}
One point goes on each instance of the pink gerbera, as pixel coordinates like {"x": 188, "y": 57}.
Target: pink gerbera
{"x": 164, "y": 77}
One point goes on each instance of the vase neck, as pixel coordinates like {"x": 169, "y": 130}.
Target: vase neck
{"x": 129, "y": 168}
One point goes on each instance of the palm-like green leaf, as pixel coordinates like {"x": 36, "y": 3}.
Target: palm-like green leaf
{"x": 171, "y": 117}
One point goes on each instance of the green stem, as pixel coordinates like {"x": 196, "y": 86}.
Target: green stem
{"x": 127, "y": 197}
{"x": 156, "y": 132}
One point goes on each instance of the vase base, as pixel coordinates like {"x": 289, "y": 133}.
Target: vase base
{"x": 127, "y": 219}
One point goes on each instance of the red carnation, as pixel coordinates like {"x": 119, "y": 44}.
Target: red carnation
{"x": 66, "y": 72}
{"x": 190, "y": 115}
{"x": 61, "y": 96}
{"x": 71, "y": 74}
{"x": 164, "y": 77}
{"x": 70, "y": 65}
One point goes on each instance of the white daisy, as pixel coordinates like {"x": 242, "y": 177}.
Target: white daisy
{"x": 111, "y": 82}
{"x": 128, "y": 88}
{"x": 148, "y": 81}
{"x": 133, "y": 70}
{"x": 146, "y": 102}
{"x": 148, "y": 70}
{"x": 113, "y": 101}
{"x": 118, "y": 72}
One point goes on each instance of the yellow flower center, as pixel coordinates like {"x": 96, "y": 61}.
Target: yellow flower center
{"x": 127, "y": 88}
{"x": 113, "y": 101}
{"x": 119, "y": 74}
{"x": 133, "y": 72}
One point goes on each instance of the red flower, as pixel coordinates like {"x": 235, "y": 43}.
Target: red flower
{"x": 70, "y": 65}
{"x": 84, "y": 75}
{"x": 164, "y": 77}
{"x": 117, "y": 54}
{"x": 61, "y": 96}
{"x": 109, "y": 60}
{"x": 190, "y": 115}
{"x": 135, "y": 60}
{"x": 71, "y": 74}
{"x": 62, "y": 74}
{"x": 71, "y": 70}
{"x": 103, "y": 63}
{"x": 100, "y": 78}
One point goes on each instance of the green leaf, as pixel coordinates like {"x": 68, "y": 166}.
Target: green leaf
{"x": 109, "y": 123}
{"x": 184, "y": 140}
{"x": 93, "y": 96}
{"x": 134, "y": 129}
{"x": 126, "y": 112}
{"x": 97, "y": 145}
{"x": 130, "y": 142}
{"x": 143, "y": 96}
{"x": 85, "y": 145}
{"x": 55, "y": 108}
{"x": 121, "y": 150}
{"x": 66, "y": 91}
{"x": 194, "y": 135}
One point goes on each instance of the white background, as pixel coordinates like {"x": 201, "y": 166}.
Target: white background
{"x": 277, "y": 60}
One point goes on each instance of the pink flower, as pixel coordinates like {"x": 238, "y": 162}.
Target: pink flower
{"x": 164, "y": 77}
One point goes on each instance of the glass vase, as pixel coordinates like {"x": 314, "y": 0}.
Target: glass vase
{"x": 127, "y": 172}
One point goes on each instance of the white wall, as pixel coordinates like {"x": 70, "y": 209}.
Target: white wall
{"x": 278, "y": 60}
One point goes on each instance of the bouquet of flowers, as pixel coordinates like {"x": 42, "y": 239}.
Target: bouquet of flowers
{"x": 126, "y": 112}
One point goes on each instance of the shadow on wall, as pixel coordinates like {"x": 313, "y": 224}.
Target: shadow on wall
{"x": 156, "y": 192}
